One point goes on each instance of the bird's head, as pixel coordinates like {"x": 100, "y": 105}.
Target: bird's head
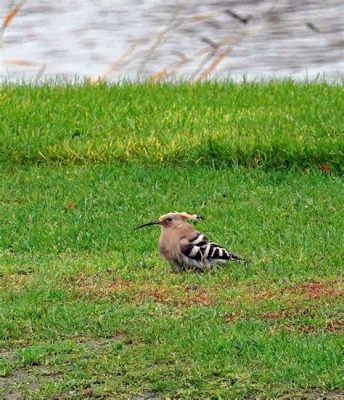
{"x": 172, "y": 219}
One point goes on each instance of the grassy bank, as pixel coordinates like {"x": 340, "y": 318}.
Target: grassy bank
{"x": 88, "y": 309}
{"x": 265, "y": 125}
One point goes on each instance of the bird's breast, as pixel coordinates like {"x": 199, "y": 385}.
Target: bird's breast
{"x": 168, "y": 246}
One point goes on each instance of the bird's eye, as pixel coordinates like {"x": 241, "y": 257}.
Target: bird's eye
{"x": 169, "y": 219}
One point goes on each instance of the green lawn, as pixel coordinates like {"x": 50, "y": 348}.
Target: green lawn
{"x": 87, "y": 307}
{"x": 267, "y": 125}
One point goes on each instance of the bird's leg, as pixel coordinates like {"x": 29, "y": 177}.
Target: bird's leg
{"x": 203, "y": 266}
{"x": 178, "y": 268}
{"x": 199, "y": 270}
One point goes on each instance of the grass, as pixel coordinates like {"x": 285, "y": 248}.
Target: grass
{"x": 268, "y": 125}
{"x": 87, "y": 307}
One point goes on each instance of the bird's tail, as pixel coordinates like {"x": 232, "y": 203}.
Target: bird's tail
{"x": 234, "y": 257}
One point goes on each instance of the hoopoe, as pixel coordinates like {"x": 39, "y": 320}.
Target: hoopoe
{"x": 184, "y": 247}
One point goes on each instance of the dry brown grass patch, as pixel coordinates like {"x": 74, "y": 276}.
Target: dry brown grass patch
{"x": 312, "y": 290}
{"x": 178, "y": 296}
{"x": 14, "y": 282}
{"x": 99, "y": 286}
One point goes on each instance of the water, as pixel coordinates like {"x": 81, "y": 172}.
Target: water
{"x": 139, "y": 39}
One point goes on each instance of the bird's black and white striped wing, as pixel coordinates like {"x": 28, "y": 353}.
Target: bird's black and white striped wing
{"x": 200, "y": 252}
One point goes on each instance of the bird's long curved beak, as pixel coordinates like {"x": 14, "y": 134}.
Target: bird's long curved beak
{"x": 147, "y": 224}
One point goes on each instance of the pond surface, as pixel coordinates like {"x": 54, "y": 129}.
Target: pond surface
{"x": 140, "y": 39}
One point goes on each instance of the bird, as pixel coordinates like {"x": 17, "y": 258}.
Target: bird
{"x": 186, "y": 248}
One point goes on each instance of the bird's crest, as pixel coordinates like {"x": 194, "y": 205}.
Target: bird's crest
{"x": 188, "y": 215}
